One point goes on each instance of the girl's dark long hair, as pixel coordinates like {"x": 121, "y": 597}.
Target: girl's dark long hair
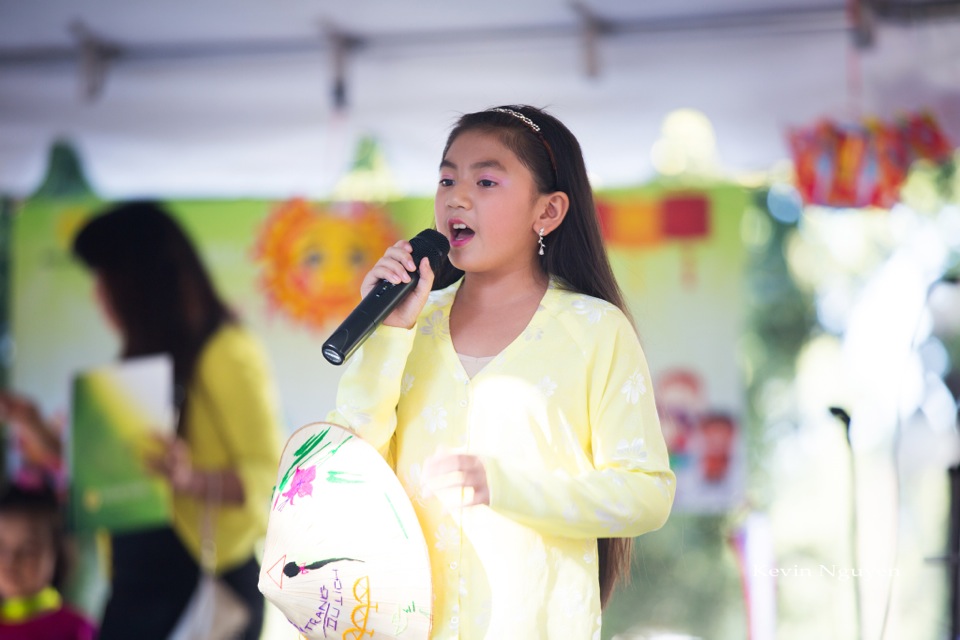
{"x": 155, "y": 283}
{"x": 575, "y": 253}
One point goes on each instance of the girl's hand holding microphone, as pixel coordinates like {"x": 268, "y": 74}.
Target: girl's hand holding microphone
{"x": 393, "y": 293}
{"x": 395, "y": 266}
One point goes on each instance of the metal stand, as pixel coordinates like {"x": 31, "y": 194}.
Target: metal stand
{"x": 953, "y": 548}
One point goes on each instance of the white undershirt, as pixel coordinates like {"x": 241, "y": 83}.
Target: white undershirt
{"x": 472, "y": 365}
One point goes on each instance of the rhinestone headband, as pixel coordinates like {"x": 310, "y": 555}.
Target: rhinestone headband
{"x": 536, "y": 129}
{"x": 516, "y": 114}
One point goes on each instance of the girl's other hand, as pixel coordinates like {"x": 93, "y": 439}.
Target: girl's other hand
{"x": 457, "y": 479}
{"x": 395, "y": 266}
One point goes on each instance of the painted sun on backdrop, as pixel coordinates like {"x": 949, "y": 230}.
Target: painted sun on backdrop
{"x": 314, "y": 257}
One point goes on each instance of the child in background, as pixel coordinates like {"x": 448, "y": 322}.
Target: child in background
{"x": 32, "y": 558}
{"x": 515, "y": 401}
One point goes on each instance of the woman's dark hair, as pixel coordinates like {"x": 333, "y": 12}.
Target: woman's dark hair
{"x": 575, "y": 253}
{"x": 40, "y": 504}
{"x": 155, "y": 283}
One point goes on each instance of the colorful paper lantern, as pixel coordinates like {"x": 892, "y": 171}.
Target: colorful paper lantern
{"x": 864, "y": 163}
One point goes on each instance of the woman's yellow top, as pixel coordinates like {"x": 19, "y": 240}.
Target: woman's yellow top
{"x": 565, "y": 422}
{"x": 231, "y": 422}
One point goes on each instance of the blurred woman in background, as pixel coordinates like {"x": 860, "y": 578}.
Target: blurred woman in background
{"x": 157, "y": 295}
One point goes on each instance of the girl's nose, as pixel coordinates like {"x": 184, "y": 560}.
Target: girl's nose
{"x": 457, "y": 197}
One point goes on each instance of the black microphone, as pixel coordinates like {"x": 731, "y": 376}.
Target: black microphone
{"x": 383, "y": 298}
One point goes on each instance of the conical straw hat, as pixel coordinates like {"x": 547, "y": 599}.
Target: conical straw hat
{"x": 344, "y": 555}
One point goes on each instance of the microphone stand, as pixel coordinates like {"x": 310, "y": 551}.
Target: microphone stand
{"x": 953, "y": 546}
{"x": 844, "y": 418}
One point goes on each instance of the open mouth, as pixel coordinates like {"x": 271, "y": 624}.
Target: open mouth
{"x": 460, "y": 233}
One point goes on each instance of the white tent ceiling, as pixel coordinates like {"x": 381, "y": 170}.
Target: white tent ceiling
{"x": 234, "y": 97}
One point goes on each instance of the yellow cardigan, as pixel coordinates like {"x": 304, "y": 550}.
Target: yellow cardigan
{"x": 232, "y": 422}
{"x": 565, "y": 422}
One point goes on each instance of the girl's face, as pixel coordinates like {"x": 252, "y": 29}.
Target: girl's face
{"x": 27, "y": 556}
{"x": 487, "y": 205}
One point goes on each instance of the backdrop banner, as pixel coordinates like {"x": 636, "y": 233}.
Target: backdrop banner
{"x": 292, "y": 271}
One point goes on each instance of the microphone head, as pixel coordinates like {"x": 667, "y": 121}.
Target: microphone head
{"x": 840, "y": 414}
{"x": 430, "y": 244}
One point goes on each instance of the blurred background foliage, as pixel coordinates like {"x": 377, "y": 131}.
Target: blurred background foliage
{"x": 807, "y": 270}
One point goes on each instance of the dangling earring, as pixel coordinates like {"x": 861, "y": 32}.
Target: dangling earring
{"x": 540, "y": 241}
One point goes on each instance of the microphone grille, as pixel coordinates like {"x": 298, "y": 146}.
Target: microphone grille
{"x": 430, "y": 244}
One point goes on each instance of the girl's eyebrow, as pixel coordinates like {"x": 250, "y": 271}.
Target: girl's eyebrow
{"x": 483, "y": 164}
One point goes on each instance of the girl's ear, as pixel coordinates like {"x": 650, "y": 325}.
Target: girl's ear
{"x": 554, "y": 210}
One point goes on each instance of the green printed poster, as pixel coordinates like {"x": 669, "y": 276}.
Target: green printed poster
{"x": 117, "y": 411}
